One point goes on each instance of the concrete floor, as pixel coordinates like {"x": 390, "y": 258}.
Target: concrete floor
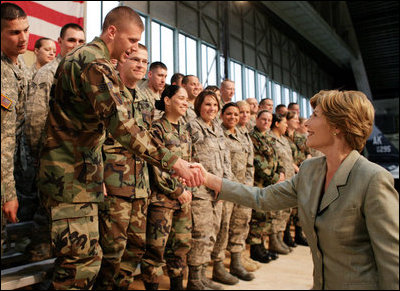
{"x": 288, "y": 272}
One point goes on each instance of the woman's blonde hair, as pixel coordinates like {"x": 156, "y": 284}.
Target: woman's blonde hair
{"x": 349, "y": 111}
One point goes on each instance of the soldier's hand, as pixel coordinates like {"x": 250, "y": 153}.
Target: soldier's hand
{"x": 104, "y": 189}
{"x": 192, "y": 174}
{"x": 10, "y": 209}
{"x": 186, "y": 197}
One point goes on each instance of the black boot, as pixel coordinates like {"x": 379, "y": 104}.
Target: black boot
{"x": 175, "y": 283}
{"x": 259, "y": 254}
{"x": 150, "y": 286}
{"x": 236, "y": 268}
{"x": 271, "y": 254}
{"x": 279, "y": 235}
{"x": 299, "y": 237}
{"x": 287, "y": 237}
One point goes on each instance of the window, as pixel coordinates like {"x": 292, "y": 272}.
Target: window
{"x": 93, "y": 20}
{"x": 236, "y": 76}
{"x": 294, "y": 99}
{"x": 143, "y": 38}
{"x": 209, "y": 65}
{"x": 187, "y": 55}
{"x": 262, "y": 87}
{"x": 162, "y": 46}
{"x": 221, "y": 68}
{"x": 277, "y": 94}
{"x": 249, "y": 81}
{"x": 304, "y": 112}
{"x": 285, "y": 98}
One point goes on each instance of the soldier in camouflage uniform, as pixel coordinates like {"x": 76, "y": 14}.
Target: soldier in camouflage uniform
{"x": 267, "y": 171}
{"x": 14, "y": 41}
{"x": 89, "y": 98}
{"x": 122, "y": 215}
{"x": 191, "y": 84}
{"x": 284, "y": 151}
{"x": 37, "y": 108}
{"x": 235, "y": 218}
{"x": 169, "y": 218}
{"x": 209, "y": 149}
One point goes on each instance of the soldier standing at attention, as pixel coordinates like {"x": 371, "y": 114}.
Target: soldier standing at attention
{"x": 209, "y": 148}
{"x": 14, "y": 41}
{"x": 122, "y": 215}
{"x": 191, "y": 84}
{"x": 90, "y": 98}
{"x": 235, "y": 218}
{"x": 169, "y": 218}
{"x": 267, "y": 171}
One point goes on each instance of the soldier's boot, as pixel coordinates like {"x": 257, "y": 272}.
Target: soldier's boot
{"x": 221, "y": 275}
{"x": 280, "y": 238}
{"x": 275, "y": 246}
{"x": 299, "y": 237}
{"x": 248, "y": 263}
{"x": 208, "y": 282}
{"x": 150, "y": 286}
{"x": 176, "y": 283}
{"x": 195, "y": 281}
{"x": 271, "y": 254}
{"x": 287, "y": 237}
{"x": 258, "y": 254}
{"x": 236, "y": 268}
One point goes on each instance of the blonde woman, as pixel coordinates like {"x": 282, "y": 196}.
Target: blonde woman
{"x": 348, "y": 206}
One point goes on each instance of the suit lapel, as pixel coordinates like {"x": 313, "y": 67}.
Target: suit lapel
{"x": 339, "y": 179}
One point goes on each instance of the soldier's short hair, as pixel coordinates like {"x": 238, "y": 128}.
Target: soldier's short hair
{"x": 186, "y": 79}
{"x": 226, "y": 81}
{"x": 38, "y": 43}
{"x": 200, "y": 99}
{"x": 212, "y": 88}
{"x": 291, "y": 104}
{"x": 264, "y": 100}
{"x": 156, "y": 65}
{"x": 142, "y": 46}
{"x": 175, "y": 77}
{"x": 276, "y": 118}
{"x": 120, "y": 15}
{"x": 263, "y": 111}
{"x": 169, "y": 91}
{"x": 229, "y": 104}
{"x": 68, "y": 26}
{"x": 11, "y": 11}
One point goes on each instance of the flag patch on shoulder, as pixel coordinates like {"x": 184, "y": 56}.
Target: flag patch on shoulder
{"x": 6, "y": 102}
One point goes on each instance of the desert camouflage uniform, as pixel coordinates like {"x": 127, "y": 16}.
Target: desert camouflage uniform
{"x": 208, "y": 148}
{"x": 283, "y": 148}
{"x": 123, "y": 213}
{"x": 9, "y": 99}
{"x": 143, "y": 85}
{"x": 169, "y": 224}
{"x": 252, "y": 122}
{"x": 267, "y": 168}
{"x": 235, "y": 217}
{"x": 89, "y": 98}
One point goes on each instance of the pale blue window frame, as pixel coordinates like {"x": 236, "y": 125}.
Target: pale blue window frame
{"x": 209, "y": 59}
{"x": 188, "y": 56}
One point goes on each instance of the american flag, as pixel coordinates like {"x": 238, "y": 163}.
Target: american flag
{"x": 47, "y": 17}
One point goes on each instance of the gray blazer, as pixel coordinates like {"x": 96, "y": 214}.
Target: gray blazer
{"x": 352, "y": 229}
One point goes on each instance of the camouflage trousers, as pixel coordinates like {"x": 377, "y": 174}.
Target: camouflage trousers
{"x": 123, "y": 240}
{"x": 75, "y": 242}
{"x": 206, "y": 216}
{"x": 169, "y": 233}
{"x": 260, "y": 227}
{"x": 295, "y": 216}
{"x": 278, "y": 219}
{"x": 234, "y": 229}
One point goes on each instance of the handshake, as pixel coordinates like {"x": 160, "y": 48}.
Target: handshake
{"x": 194, "y": 175}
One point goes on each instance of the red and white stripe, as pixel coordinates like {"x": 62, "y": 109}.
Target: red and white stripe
{"x": 46, "y": 18}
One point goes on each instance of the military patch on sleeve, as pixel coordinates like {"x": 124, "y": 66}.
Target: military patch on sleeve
{"x": 110, "y": 85}
{"x": 102, "y": 87}
{"x": 6, "y": 102}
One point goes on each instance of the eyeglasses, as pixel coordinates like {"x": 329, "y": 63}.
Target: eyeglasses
{"x": 144, "y": 62}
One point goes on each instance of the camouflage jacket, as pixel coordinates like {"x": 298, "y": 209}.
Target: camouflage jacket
{"x": 300, "y": 141}
{"x": 242, "y": 155}
{"x": 126, "y": 174}
{"x": 284, "y": 151}
{"x": 37, "y": 105}
{"x": 14, "y": 85}
{"x": 267, "y": 166}
{"x": 295, "y": 150}
{"x": 166, "y": 189}
{"x": 147, "y": 93}
{"x": 89, "y": 98}
{"x": 209, "y": 148}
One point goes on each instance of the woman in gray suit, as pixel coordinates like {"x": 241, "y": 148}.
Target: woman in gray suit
{"x": 347, "y": 205}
